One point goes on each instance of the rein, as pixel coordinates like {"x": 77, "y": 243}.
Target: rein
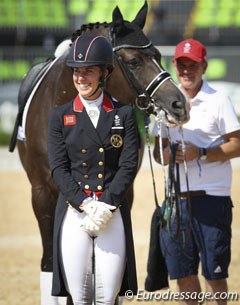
{"x": 170, "y": 208}
{"x": 144, "y": 96}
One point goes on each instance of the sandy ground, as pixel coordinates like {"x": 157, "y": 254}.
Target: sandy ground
{"x": 20, "y": 243}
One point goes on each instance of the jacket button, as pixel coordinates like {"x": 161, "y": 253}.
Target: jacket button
{"x": 86, "y": 187}
{"x": 84, "y": 164}
{"x": 84, "y": 150}
{"x": 101, "y": 149}
{"x": 86, "y": 176}
{"x": 100, "y": 163}
{"x": 99, "y": 187}
{"x": 100, "y": 175}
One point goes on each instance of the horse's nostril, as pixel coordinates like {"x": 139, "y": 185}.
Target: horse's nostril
{"x": 177, "y": 105}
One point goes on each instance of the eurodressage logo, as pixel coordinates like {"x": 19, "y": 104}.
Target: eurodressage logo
{"x": 169, "y": 295}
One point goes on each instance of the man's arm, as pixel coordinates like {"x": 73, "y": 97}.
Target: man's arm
{"x": 228, "y": 150}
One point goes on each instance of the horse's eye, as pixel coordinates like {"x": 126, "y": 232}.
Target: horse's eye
{"x": 133, "y": 63}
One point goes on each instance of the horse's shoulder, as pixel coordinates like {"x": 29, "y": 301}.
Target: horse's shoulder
{"x": 118, "y": 104}
{"x": 63, "y": 108}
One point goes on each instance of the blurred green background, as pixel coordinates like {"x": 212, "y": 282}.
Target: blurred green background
{"x": 31, "y": 30}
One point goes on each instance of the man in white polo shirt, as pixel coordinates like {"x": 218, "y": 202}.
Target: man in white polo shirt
{"x": 212, "y": 138}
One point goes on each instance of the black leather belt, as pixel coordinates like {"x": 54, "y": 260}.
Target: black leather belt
{"x": 184, "y": 195}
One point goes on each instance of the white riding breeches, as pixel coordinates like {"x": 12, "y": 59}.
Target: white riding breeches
{"x": 80, "y": 252}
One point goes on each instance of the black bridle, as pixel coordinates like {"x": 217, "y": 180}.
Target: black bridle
{"x": 144, "y": 95}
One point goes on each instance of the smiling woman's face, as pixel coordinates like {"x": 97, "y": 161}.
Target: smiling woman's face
{"x": 86, "y": 80}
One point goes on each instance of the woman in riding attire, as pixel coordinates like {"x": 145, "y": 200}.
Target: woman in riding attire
{"x": 93, "y": 155}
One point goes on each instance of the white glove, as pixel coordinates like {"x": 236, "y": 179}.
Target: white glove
{"x": 98, "y": 211}
{"x": 89, "y": 225}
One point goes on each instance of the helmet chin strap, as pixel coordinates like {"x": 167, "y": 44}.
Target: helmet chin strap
{"x": 101, "y": 81}
{"x": 98, "y": 87}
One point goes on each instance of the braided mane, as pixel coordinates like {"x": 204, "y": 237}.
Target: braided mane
{"x": 90, "y": 27}
{"x": 129, "y": 35}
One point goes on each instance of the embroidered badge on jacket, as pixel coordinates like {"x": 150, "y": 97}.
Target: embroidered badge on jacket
{"x": 116, "y": 140}
{"x": 69, "y": 119}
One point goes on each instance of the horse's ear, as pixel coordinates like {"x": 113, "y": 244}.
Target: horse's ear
{"x": 117, "y": 18}
{"x": 141, "y": 16}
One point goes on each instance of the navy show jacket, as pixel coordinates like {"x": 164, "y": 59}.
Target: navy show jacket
{"x": 85, "y": 159}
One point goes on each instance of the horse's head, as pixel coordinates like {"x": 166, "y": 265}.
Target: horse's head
{"x": 139, "y": 61}
{"x": 138, "y": 76}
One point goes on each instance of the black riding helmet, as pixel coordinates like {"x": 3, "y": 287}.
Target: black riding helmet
{"x": 91, "y": 50}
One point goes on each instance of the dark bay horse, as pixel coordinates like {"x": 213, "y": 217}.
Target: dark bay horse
{"x": 138, "y": 78}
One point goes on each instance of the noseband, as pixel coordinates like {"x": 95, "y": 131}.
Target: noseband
{"x": 147, "y": 95}
{"x": 144, "y": 95}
